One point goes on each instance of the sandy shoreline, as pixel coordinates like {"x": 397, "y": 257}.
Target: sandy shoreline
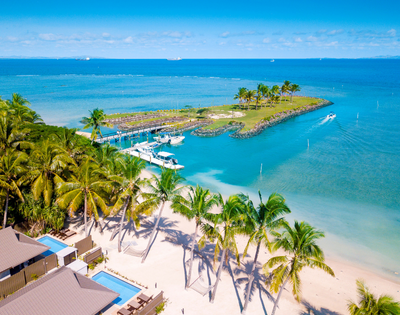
{"x": 165, "y": 268}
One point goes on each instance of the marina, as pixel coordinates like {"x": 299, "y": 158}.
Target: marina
{"x": 145, "y": 151}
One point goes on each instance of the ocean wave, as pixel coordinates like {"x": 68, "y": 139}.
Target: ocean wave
{"x": 27, "y": 75}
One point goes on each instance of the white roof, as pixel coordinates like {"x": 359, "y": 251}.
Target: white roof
{"x": 66, "y": 251}
{"x": 77, "y": 265}
{"x": 165, "y": 154}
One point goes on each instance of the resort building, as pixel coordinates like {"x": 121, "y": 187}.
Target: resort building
{"x": 17, "y": 251}
{"x": 61, "y": 292}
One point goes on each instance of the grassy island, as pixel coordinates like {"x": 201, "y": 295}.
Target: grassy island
{"x": 255, "y": 111}
{"x": 212, "y": 118}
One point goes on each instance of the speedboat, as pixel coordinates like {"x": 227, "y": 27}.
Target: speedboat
{"x": 146, "y": 150}
{"x": 169, "y": 139}
{"x": 166, "y": 157}
{"x": 331, "y": 115}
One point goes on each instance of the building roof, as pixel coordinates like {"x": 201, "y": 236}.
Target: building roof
{"x": 66, "y": 251}
{"x": 16, "y": 248}
{"x": 62, "y": 292}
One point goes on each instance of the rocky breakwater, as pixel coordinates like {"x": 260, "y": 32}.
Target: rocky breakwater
{"x": 277, "y": 119}
{"x": 233, "y": 125}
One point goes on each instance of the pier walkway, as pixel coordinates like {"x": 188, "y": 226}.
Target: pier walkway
{"x": 117, "y": 136}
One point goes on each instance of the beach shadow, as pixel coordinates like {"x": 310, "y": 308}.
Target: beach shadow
{"x": 235, "y": 284}
{"x": 243, "y": 274}
{"x": 312, "y": 310}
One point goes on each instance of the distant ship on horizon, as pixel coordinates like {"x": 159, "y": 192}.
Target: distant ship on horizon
{"x": 273, "y": 60}
{"x": 174, "y": 59}
{"x": 83, "y": 59}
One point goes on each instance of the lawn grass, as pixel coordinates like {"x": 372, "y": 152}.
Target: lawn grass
{"x": 251, "y": 117}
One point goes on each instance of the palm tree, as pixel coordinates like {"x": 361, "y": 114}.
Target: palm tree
{"x": 95, "y": 121}
{"x": 266, "y": 218}
{"x": 249, "y": 96}
{"x": 195, "y": 206}
{"x": 258, "y": 99}
{"x": 18, "y": 100}
{"x": 285, "y": 88}
{"x": 87, "y": 186}
{"x": 129, "y": 184}
{"x": 231, "y": 218}
{"x": 293, "y": 88}
{"x": 46, "y": 163}
{"x": 266, "y": 92}
{"x": 369, "y": 304}
{"x": 275, "y": 91}
{"x": 240, "y": 95}
{"x": 67, "y": 140}
{"x": 300, "y": 244}
{"x": 11, "y": 136}
{"x": 164, "y": 189}
{"x": 11, "y": 176}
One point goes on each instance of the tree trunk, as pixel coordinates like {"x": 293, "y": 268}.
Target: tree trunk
{"x": 246, "y": 303}
{"x": 6, "y": 209}
{"x": 191, "y": 256}
{"x": 278, "y": 297}
{"x": 122, "y": 223}
{"x": 85, "y": 214}
{"x": 152, "y": 234}
{"x": 114, "y": 232}
{"x": 221, "y": 265}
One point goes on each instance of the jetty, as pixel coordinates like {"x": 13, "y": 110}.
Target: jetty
{"x": 118, "y": 135}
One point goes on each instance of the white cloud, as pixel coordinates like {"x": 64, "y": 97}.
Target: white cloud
{"x": 49, "y": 36}
{"x": 128, "y": 40}
{"x": 225, "y": 34}
{"x": 335, "y": 32}
{"x": 266, "y": 40}
{"x": 12, "y": 38}
{"x": 105, "y": 35}
{"x": 312, "y": 39}
{"x": 298, "y": 40}
{"x": 392, "y": 32}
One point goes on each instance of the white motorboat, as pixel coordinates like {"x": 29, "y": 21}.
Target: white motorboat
{"x": 166, "y": 158}
{"x": 331, "y": 115}
{"x": 169, "y": 139}
{"x": 146, "y": 150}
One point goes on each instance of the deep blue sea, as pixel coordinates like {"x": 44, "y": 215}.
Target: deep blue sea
{"x": 347, "y": 182}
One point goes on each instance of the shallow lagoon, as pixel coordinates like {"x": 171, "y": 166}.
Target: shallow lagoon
{"x": 346, "y": 182}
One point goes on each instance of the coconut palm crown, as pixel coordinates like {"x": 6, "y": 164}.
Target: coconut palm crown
{"x": 95, "y": 121}
{"x": 299, "y": 242}
{"x": 369, "y": 304}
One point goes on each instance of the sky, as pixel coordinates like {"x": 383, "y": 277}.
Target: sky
{"x": 200, "y": 29}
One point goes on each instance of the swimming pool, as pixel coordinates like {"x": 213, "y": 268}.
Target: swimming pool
{"x": 126, "y": 291}
{"x": 55, "y": 246}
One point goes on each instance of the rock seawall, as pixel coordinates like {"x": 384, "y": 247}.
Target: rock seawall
{"x": 262, "y": 124}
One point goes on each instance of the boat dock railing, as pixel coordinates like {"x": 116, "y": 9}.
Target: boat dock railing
{"x": 117, "y": 136}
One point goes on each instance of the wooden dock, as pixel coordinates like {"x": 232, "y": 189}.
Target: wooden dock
{"x": 117, "y": 136}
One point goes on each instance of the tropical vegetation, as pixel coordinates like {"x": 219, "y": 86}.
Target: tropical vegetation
{"x": 49, "y": 173}
{"x": 370, "y": 304}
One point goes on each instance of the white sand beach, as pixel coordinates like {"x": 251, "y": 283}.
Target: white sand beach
{"x": 233, "y": 115}
{"x": 165, "y": 269}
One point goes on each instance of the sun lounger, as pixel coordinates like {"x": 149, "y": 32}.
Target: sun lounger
{"x": 144, "y": 298}
{"x": 134, "y": 304}
{"x": 124, "y": 311}
{"x": 68, "y": 234}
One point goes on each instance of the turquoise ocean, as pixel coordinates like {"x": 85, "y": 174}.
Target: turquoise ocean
{"x": 346, "y": 182}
